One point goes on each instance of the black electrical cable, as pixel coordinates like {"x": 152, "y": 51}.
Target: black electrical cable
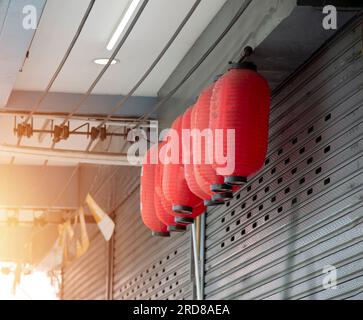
{"x": 112, "y": 57}
{"x": 196, "y": 66}
{"x": 150, "y": 69}
{"x": 137, "y": 85}
{"x": 104, "y": 69}
{"x": 61, "y": 64}
{"x": 187, "y": 76}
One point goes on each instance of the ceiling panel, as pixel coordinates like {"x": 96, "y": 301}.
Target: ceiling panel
{"x": 156, "y": 25}
{"x": 14, "y": 42}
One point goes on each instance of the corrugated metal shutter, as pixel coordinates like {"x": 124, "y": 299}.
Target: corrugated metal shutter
{"x": 85, "y": 279}
{"x": 303, "y": 211}
{"x": 147, "y": 267}
{"x": 141, "y": 266}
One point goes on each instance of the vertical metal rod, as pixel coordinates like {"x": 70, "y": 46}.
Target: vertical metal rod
{"x": 202, "y": 253}
{"x": 196, "y": 261}
{"x": 109, "y": 271}
{"x": 197, "y": 226}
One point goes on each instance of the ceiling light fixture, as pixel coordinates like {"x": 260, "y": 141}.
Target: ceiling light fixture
{"x": 123, "y": 23}
{"x": 104, "y": 61}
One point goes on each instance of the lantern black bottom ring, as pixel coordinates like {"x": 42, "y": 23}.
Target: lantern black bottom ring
{"x": 221, "y": 187}
{"x": 160, "y": 234}
{"x": 184, "y": 220}
{"x": 182, "y": 209}
{"x": 222, "y": 196}
{"x": 235, "y": 180}
{"x": 177, "y": 228}
{"x": 212, "y": 203}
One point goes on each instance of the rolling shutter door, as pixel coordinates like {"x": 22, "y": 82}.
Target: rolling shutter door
{"x": 304, "y": 210}
{"x": 85, "y": 278}
{"x": 147, "y": 267}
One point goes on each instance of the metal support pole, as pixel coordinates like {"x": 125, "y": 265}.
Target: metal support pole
{"x": 202, "y": 253}
{"x": 196, "y": 261}
{"x": 109, "y": 271}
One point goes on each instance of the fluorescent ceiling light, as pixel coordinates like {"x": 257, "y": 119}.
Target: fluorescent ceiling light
{"x": 104, "y": 61}
{"x": 124, "y": 21}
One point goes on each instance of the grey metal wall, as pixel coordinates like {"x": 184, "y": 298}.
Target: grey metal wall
{"x": 303, "y": 211}
{"x": 143, "y": 267}
{"x": 147, "y": 267}
{"x": 133, "y": 265}
{"x": 85, "y": 279}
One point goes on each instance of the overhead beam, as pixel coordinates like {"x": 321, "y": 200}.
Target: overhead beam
{"x": 100, "y": 104}
{"x": 99, "y": 158}
{"x": 114, "y": 120}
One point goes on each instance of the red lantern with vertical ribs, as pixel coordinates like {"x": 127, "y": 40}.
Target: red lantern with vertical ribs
{"x": 241, "y": 102}
{"x": 162, "y": 206}
{"x": 186, "y": 205}
{"x": 165, "y": 217}
{"x": 205, "y": 174}
{"x": 147, "y": 205}
{"x": 188, "y": 157}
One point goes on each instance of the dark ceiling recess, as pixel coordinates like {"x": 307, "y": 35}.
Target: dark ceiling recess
{"x": 336, "y": 3}
{"x": 294, "y": 40}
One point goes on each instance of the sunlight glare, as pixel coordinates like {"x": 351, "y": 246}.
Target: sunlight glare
{"x": 36, "y": 286}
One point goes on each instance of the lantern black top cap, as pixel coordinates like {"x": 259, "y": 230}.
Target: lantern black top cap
{"x": 243, "y": 65}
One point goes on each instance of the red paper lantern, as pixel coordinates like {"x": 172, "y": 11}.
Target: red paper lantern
{"x": 188, "y": 159}
{"x": 147, "y": 206}
{"x": 165, "y": 217}
{"x": 241, "y": 101}
{"x": 205, "y": 174}
{"x": 174, "y": 185}
{"x": 162, "y": 206}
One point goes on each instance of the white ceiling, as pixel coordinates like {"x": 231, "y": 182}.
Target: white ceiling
{"x": 154, "y": 28}
{"x": 14, "y": 42}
